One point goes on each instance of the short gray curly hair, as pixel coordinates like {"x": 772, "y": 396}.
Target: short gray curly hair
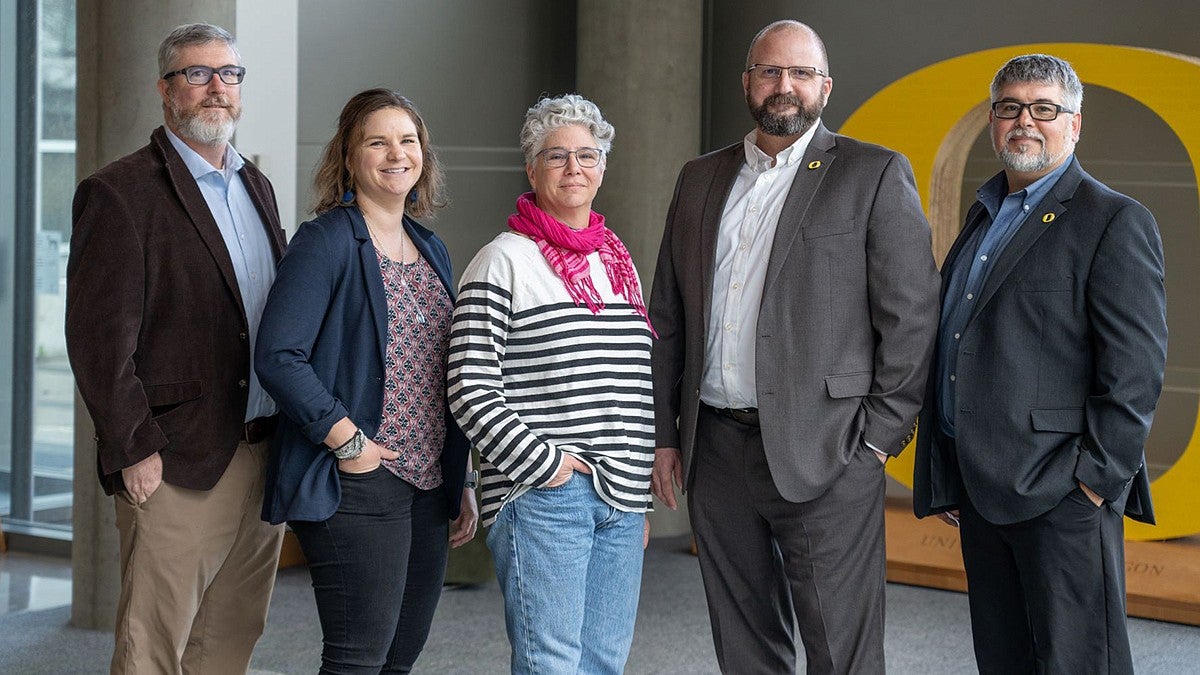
{"x": 1041, "y": 69}
{"x": 549, "y": 114}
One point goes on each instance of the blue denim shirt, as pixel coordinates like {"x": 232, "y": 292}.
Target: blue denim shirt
{"x": 970, "y": 271}
{"x": 245, "y": 237}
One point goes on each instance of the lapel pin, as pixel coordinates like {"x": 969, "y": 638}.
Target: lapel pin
{"x": 815, "y": 164}
{"x": 1048, "y": 218}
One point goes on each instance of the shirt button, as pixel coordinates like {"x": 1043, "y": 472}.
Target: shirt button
{"x": 1026, "y": 207}
{"x": 728, "y": 366}
{"x": 728, "y": 326}
{"x": 952, "y": 378}
{"x": 983, "y": 257}
{"x": 956, "y": 336}
{"x": 753, "y": 209}
{"x": 736, "y": 285}
{"x": 743, "y": 247}
{"x": 970, "y": 296}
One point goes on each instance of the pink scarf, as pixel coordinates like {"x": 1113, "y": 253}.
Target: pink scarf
{"x": 566, "y": 250}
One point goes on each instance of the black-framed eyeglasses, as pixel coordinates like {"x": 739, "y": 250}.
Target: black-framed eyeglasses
{"x": 203, "y": 74}
{"x": 556, "y": 158}
{"x": 1038, "y": 110}
{"x": 766, "y": 71}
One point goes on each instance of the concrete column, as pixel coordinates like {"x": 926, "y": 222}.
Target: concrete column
{"x": 641, "y": 63}
{"x": 117, "y": 106}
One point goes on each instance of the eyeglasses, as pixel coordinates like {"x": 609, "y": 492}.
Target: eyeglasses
{"x": 766, "y": 71}
{"x": 1044, "y": 112}
{"x": 556, "y": 158}
{"x": 203, "y": 74}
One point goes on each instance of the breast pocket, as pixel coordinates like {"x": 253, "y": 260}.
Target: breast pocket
{"x": 827, "y": 228}
{"x": 1047, "y": 284}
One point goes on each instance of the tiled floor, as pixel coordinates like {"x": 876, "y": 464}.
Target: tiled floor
{"x": 29, "y": 582}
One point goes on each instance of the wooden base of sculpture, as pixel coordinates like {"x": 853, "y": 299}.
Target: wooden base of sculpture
{"x": 1162, "y": 578}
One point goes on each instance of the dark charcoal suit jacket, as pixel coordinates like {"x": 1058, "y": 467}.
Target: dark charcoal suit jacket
{"x": 848, "y": 315}
{"x": 1060, "y": 365}
{"x": 156, "y": 332}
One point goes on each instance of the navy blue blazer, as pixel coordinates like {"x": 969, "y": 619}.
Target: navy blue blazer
{"x": 320, "y": 355}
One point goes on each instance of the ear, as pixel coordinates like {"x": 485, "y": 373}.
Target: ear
{"x": 1076, "y": 126}
{"x": 163, "y": 86}
{"x": 745, "y": 83}
{"x": 827, "y": 86}
{"x": 529, "y": 175}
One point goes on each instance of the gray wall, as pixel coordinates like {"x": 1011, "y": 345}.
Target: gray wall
{"x": 472, "y": 68}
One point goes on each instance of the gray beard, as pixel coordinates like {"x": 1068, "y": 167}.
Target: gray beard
{"x": 793, "y": 124}
{"x": 1025, "y": 162}
{"x": 193, "y": 126}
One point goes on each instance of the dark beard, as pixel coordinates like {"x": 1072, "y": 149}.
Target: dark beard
{"x": 785, "y": 125}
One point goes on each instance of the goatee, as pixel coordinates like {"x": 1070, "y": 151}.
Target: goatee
{"x": 778, "y": 124}
{"x": 1022, "y": 162}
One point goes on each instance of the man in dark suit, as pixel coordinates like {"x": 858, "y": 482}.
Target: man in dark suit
{"x": 173, "y": 250}
{"x": 1049, "y": 364}
{"x": 795, "y": 301}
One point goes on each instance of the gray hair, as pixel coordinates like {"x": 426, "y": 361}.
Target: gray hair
{"x": 792, "y": 25}
{"x": 1041, "y": 69}
{"x": 549, "y": 114}
{"x": 191, "y": 34}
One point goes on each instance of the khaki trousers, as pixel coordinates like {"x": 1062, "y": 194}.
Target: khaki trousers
{"x": 197, "y": 571}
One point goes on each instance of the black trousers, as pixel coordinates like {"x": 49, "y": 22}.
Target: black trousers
{"x": 1047, "y": 595}
{"x": 377, "y": 567}
{"x": 771, "y": 566}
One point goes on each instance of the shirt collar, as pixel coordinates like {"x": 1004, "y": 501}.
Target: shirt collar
{"x": 760, "y": 161}
{"x": 197, "y": 165}
{"x": 993, "y": 192}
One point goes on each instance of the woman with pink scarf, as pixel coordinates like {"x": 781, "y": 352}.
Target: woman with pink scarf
{"x": 549, "y": 376}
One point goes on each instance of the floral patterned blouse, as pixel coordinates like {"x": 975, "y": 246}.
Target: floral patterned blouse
{"x": 414, "y": 419}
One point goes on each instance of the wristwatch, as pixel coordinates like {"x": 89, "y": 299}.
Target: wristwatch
{"x": 472, "y": 480}
{"x": 352, "y": 448}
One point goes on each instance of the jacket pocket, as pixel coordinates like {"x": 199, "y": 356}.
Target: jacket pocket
{"x": 827, "y": 228}
{"x": 162, "y": 398}
{"x": 849, "y": 384}
{"x": 1062, "y": 420}
{"x": 1047, "y": 284}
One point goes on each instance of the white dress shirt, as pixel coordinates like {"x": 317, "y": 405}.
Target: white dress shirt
{"x": 744, "y": 242}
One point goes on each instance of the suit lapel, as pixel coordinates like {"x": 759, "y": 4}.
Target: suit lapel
{"x": 197, "y": 209}
{"x": 376, "y": 296}
{"x": 1035, "y": 224}
{"x": 817, "y": 160}
{"x": 724, "y": 175}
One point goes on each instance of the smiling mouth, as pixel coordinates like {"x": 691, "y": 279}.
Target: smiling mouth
{"x": 399, "y": 170}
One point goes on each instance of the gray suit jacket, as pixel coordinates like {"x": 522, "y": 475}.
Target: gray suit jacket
{"x": 848, "y": 315}
{"x": 1060, "y": 365}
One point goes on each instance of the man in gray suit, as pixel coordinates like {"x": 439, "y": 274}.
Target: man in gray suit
{"x": 1049, "y": 364}
{"x": 796, "y": 303}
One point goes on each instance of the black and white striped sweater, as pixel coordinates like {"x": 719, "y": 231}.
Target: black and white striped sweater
{"x": 531, "y": 376}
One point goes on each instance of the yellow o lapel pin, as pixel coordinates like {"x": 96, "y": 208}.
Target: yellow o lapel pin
{"x": 1048, "y": 218}
{"x": 815, "y": 164}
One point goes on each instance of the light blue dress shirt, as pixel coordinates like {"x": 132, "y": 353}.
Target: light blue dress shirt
{"x": 245, "y": 238}
{"x": 971, "y": 269}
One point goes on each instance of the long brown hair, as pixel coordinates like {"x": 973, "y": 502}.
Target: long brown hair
{"x": 333, "y": 180}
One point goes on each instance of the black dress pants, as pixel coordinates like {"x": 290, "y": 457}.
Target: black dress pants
{"x": 1047, "y": 595}
{"x": 377, "y": 567}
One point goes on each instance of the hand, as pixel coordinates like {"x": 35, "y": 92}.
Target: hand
{"x": 667, "y": 475}
{"x": 142, "y": 479}
{"x": 949, "y": 517}
{"x": 646, "y": 535}
{"x": 1095, "y": 498}
{"x": 462, "y": 528}
{"x": 881, "y": 456}
{"x": 372, "y": 455}
{"x": 570, "y": 465}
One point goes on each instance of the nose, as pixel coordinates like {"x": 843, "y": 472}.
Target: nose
{"x": 216, "y": 85}
{"x": 784, "y": 84}
{"x": 572, "y": 165}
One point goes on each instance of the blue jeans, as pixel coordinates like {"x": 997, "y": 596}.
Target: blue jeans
{"x": 570, "y": 567}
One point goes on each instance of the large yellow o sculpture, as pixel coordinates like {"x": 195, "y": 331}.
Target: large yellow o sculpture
{"x": 933, "y": 115}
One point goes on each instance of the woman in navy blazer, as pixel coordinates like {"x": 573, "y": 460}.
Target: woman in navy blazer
{"x": 368, "y": 467}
